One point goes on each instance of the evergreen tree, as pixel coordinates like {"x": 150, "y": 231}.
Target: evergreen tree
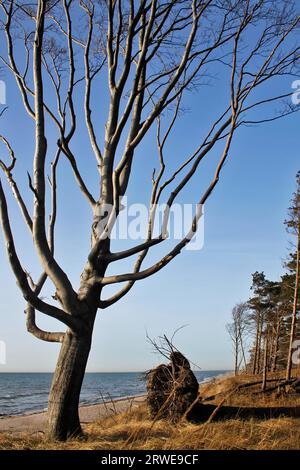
{"x": 293, "y": 227}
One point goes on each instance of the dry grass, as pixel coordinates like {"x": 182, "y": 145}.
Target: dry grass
{"x": 134, "y": 430}
{"x": 251, "y": 397}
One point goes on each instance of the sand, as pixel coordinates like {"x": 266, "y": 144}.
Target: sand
{"x": 36, "y": 422}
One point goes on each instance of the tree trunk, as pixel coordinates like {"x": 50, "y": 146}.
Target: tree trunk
{"x": 295, "y": 308}
{"x": 243, "y": 350}
{"x": 63, "y": 413}
{"x": 276, "y": 346}
{"x": 256, "y": 348}
{"x": 258, "y": 367}
{"x": 236, "y": 357}
{"x": 265, "y": 365}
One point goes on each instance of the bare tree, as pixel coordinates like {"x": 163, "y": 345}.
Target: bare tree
{"x": 237, "y": 329}
{"x": 144, "y": 56}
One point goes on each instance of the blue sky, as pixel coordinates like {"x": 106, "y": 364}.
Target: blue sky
{"x": 244, "y": 232}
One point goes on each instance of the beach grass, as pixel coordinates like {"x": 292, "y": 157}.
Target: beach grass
{"x": 133, "y": 429}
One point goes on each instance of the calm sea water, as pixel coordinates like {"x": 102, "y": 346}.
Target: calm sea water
{"x": 27, "y": 392}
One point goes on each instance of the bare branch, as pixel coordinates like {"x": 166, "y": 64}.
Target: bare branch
{"x": 88, "y": 81}
{"x": 21, "y": 275}
{"x": 14, "y": 187}
{"x": 52, "y": 337}
{"x": 50, "y": 266}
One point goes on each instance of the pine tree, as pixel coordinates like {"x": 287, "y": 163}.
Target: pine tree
{"x": 293, "y": 227}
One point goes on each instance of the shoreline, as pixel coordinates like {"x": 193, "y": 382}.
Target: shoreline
{"x": 36, "y": 422}
{"x": 96, "y": 403}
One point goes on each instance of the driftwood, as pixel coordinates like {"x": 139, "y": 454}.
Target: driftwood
{"x": 239, "y": 387}
{"x": 294, "y": 383}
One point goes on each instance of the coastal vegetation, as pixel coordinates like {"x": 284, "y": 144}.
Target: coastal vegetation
{"x": 267, "y": 325}
{"x": 134, "y": 429}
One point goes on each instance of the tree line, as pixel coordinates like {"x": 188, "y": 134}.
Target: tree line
{"x": 265, "y": 330}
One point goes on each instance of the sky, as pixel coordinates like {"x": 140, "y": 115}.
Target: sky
{"x": 244, "y": 233}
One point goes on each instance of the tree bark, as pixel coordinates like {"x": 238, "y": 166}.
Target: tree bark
{"x": 63, "y": 413}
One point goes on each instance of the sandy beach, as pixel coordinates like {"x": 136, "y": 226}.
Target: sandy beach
{"x": 33, "y": 423}
{"x": 36, "y": 422}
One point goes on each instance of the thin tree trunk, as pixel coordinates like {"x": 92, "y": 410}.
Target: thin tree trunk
{"x": 236, "y": 357}
{"x": 236, "y": 367}
{"x": 265, "y": 367}
{"x": 255, "y": 350}
{"x": 271, "y": 347}
{"x": 63, "y": 413}
{"x": 275, "y": 354}
{"x": 243, "y": 350}
{"x": 258, "y": 367}
{"x": 294, "y": 316}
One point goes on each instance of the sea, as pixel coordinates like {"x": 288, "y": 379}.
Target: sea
{"x": 25, "y": 393}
